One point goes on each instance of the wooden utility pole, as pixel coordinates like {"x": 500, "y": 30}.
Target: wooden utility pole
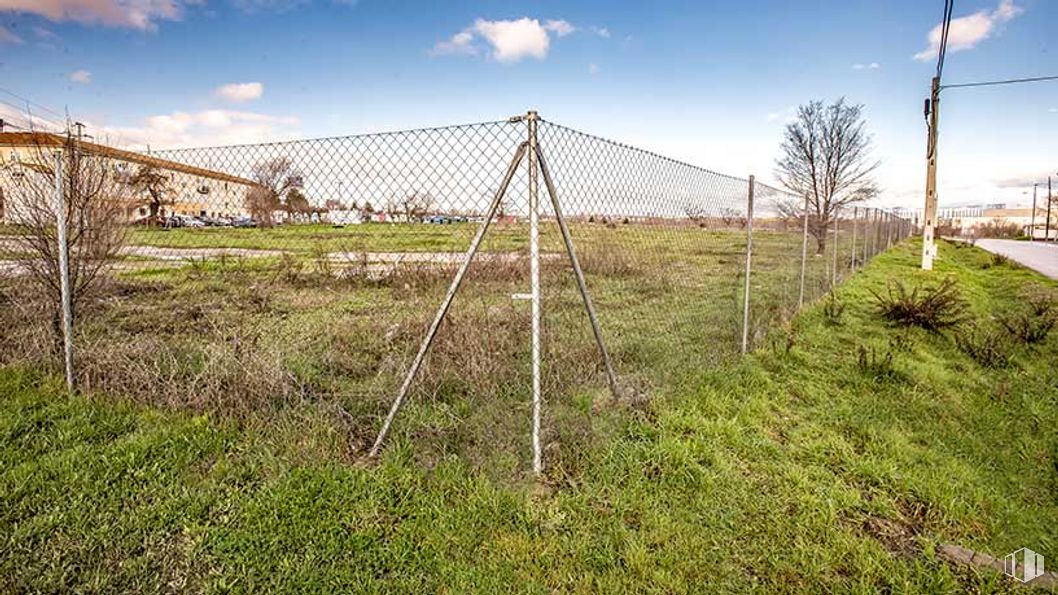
{"x": 929, "y": 216}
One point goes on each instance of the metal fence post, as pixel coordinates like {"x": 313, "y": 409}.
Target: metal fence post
{"x": 804, "y": 255}
{"x": 866, "y": 231}
{"x": 534, "y": 280}
{"x": 749, "y": 266}
{"x": 855, "y": 222}
{"x": 874, "y": 232}
{"x": 834, "y": 263}
{"x": 65, "y": 297}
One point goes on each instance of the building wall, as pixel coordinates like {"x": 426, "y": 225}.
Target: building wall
{"x": 190, "y": 194}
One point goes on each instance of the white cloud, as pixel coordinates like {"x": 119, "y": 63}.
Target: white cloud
{"x": 81, "y": 76}
{"x": 593, "y": 68}
{"x": 280, "y": 6}
{"x": 560, "y": 27}
{"x": 136, "y": 14}
{"x": 240, "y": 92}
{"x": 966, "y": 32}
{"x": 871, "y": 66}
{"x": 786, "y": 115}
{"x": 6, "y": 36}
{"x": 44, "y": 34}
{"x": 460, "y": 43}
{"x": 508, "y": 40}
{"x": 601, "y": 31}
{"x": 203, "y": 128}
{"x": 512, "y": 41}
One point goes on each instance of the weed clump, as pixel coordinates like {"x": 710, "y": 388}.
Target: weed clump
{"x": 989, "y": 347}
{"x": 874, "y": 364}
{"x": 1035, "y": 322}
{"x": 932, "y": 308}
{"x": 996, "y": 260}
{"x": 833, "y": 308}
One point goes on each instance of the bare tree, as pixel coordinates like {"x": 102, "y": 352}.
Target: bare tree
{"x": 730, "y": 216}
{"x": 826, "y": 157}
{"x": 273, "y": 178}
{"x": 417, "y": 205}
{"x": 298, "y": 205}
{"x": 698, "y": 214}
{"x": 156, "y": 185}
{"x": 96, "y": 204}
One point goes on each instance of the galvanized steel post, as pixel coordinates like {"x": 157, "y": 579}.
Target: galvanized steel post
{"x": 804, "y": 255}
{"x": 65, "y": 293}
{"x": 855, "y": 221}
{"x": 749, "y": 266}
{"x": 534, "y": 281}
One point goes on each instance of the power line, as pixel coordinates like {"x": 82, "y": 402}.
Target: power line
{"x": 27, "y": 117}
{"x": 942, "y": 49}
{"x": 29, "y": 102}
{"x": 1034, "y": 79}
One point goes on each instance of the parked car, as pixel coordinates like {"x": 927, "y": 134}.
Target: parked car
{"x": 243, "y": 222}
{"x": 216, "y": 221}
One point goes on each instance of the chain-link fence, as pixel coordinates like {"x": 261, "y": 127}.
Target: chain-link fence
{"x": 471, "y": 273}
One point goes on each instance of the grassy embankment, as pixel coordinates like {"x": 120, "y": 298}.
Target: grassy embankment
{"x": 793, "y": 469}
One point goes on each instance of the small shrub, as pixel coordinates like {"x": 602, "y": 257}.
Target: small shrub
{"x": 833, "y": 308}
{"x": 932, "y": 308}
{"x": 782, "y": 343}
{"x": 1042, "y": 301}
{"x": 996, "y": 260}
{"x": 987, "y": 346}
{"x": 900, "y": 342}
{"x": 1036, "y": 320}
{"x": 875, "y": 365}
{"x": 1027, "y": 327}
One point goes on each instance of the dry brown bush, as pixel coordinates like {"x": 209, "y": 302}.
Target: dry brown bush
{"x": 95, "y": 204}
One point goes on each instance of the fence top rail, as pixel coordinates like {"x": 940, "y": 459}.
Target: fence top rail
{"x": 338, "y": 137}
{"x": 175, "y": 151}
{"x": 644, "y": 152}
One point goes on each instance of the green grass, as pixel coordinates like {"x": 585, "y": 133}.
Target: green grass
{"x": 772, "y": 473}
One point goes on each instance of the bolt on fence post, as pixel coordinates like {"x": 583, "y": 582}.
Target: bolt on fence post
{"x": 855, "y": 222}
{"x": 804, "y": 255}
{"x": 749, "y": 266}
{"x": 65, "y": 297}
{"x": 534, "y": 280}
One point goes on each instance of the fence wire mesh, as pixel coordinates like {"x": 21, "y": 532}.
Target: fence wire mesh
{"x": 280, "y": 276}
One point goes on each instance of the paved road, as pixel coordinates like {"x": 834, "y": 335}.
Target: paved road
{"x": 1038, "y": 256}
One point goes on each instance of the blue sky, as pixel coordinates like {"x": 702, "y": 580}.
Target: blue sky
{"x": 708, "y": 82}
